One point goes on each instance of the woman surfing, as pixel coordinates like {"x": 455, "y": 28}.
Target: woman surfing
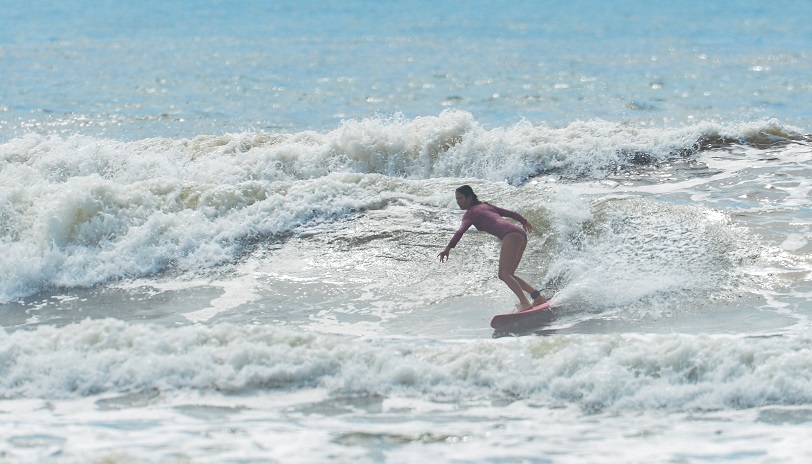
{"x": 491, "y": 219}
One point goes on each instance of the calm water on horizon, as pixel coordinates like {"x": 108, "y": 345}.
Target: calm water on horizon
{"x": 219, "y": 227}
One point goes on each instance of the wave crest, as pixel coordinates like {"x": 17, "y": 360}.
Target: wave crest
{"x": 606, "y": 372}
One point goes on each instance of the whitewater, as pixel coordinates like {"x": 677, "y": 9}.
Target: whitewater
{"x": 219, "y": 230}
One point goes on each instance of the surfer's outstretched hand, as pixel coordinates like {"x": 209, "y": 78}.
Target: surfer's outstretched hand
{"x": 528, "y": 227}
{"x": 444, "y": 254}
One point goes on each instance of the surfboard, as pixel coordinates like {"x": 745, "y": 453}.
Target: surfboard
{"x": 537, "y": 314}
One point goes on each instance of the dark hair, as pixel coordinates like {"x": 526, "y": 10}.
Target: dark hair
{"x": 468, "y": 192}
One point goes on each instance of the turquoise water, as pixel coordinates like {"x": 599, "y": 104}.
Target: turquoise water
{"x": 178, "y": 69}
{"x": 219, "y": 227}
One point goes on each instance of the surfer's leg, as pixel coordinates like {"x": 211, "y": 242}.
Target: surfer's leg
{"x": 519, "y": 253}
{"x": 511, "y": 253}
{"x": 538, "y": 298}
{"x": 536, "y": 295}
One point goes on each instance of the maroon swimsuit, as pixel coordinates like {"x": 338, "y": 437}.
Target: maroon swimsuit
{"x": 489, "y": 218}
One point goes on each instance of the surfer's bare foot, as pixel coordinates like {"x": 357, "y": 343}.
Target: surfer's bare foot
{"x": 524, "y": 307}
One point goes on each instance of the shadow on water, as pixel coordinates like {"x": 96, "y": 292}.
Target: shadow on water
{"x": 528, "y": 326}
{"x": 519, "y": 333}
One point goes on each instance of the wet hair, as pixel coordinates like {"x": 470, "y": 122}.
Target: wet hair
{"x": 468, "y": 192}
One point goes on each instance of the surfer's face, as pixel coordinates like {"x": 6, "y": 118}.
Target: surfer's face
{"x": 462, "y": 201}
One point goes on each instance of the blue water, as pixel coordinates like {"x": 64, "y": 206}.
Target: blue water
{"x": 177, "y": 69}
{"x": 219, "y": 227}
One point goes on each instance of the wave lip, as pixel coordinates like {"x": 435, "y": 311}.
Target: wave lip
{"x": 454, "y": 144}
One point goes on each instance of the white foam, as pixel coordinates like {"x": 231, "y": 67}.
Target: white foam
{"x": 643, "y": 256}
{"x": 78, "y": 211}
{"x": 794, "y": 242}
{"x": 595, "y": 373}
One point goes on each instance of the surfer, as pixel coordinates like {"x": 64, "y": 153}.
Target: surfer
{"x": 490, "y": 218}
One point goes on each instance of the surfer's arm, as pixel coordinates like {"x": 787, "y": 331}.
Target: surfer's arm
{"x": 466, "y": 223}
{"x": 515, "y": 216}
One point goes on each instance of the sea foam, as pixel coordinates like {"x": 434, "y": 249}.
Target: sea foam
{"x": 78, "y": 211}
{"x": 600, "y": 372}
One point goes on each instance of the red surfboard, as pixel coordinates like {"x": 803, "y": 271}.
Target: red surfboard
{"x": 536, "y": 314}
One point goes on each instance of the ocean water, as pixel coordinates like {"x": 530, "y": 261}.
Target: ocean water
{"x": 219, "y": 227}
